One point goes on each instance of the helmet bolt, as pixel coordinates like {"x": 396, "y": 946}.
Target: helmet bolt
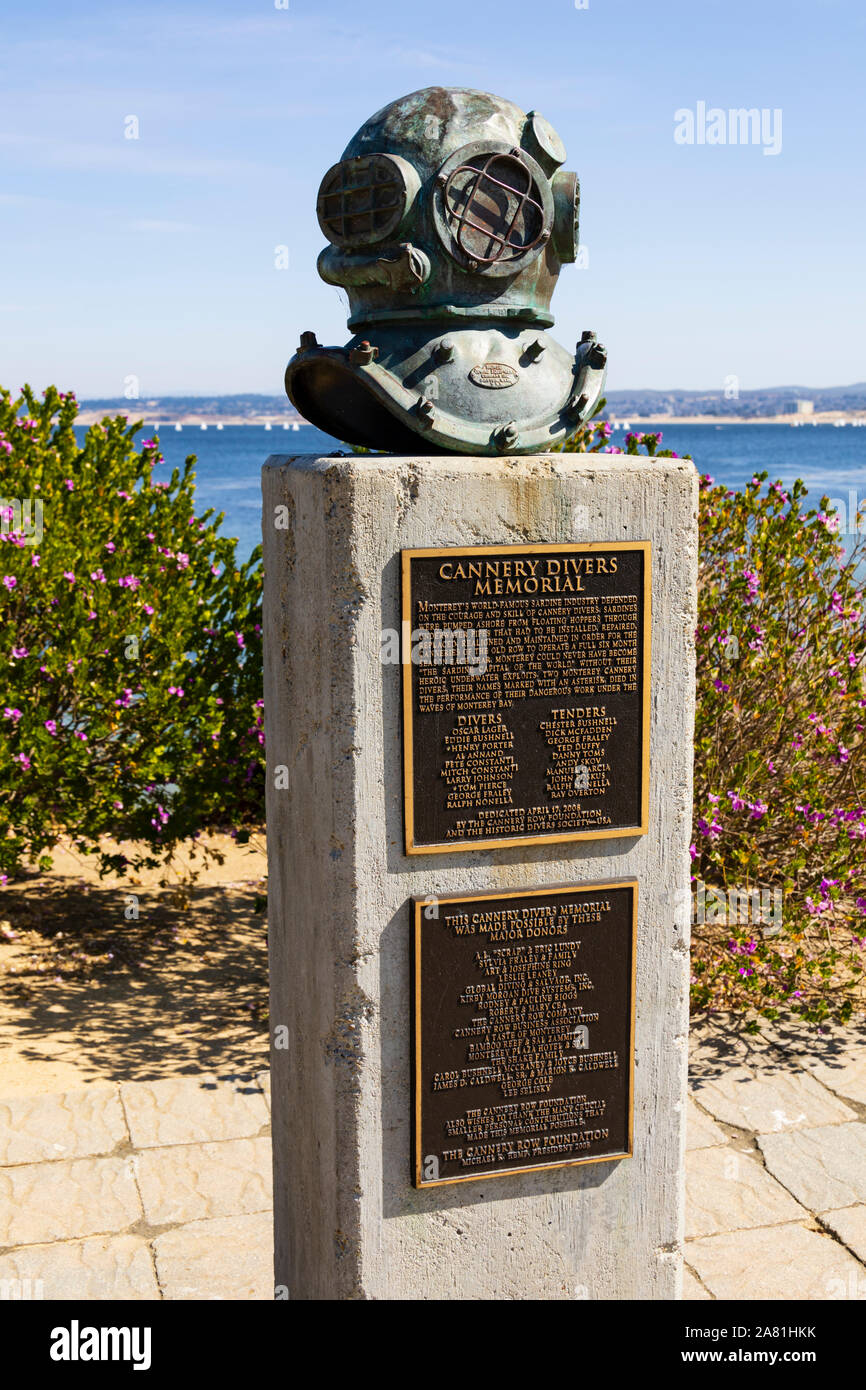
{"x": 363, "y": 354}
{"x": 507, "y": 436}
{"x": 472, "y": 265}
{"x": 588, "y": 336}
{"x": 534, "y": 349}
{"x": 444, "y": 351}
{"x": 425, "y": 410}
{"x": 575, "y": 408}
{"x": 308, "y": 341}
{"x": 597, "y": 356}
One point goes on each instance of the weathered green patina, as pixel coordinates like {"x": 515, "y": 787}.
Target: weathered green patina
{"x": 449, "y": 218}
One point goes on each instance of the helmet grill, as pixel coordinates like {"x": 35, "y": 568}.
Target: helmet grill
{"x": 361, "y": 200}
{"x": 493, "y": 208}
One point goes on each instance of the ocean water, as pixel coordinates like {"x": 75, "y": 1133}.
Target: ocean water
{"x": 830, "y": 460}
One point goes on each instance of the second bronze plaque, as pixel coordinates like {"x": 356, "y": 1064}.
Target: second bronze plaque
{"x": 524, "y": 1030}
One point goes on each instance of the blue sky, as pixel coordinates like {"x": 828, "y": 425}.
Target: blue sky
{"x": 155, "y": 257}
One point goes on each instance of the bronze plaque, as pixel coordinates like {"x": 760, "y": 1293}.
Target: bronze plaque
{"x": 524, "y": 1030}
{"x": 525, "y": 694}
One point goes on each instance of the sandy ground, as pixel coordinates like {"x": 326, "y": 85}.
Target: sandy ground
{"x": 89, "y": 993}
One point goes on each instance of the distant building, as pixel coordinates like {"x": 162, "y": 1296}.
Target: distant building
{"x": 805, "y": 407}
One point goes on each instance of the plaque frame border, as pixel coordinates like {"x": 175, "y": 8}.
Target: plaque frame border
{"x": 553, "y": 889}
{"x": 521, "y": 841}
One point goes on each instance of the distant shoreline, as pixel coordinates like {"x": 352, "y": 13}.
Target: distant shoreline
{"x": 286, "y": 422}
{"x": 820, "y": 417}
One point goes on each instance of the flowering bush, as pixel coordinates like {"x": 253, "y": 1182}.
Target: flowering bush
{"x": 131, "y": 641}
{"x": 779, "y": 745}
{"x": 779, "y": 839}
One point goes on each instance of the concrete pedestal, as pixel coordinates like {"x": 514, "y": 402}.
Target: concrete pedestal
{"x": 349, "y": 1223}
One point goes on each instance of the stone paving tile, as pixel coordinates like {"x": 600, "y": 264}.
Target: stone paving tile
{"x": 825, "y": 1168}
{"x": 692, "y": 1289}
{"x": 729, "y": 1191}
{"x": 846, "y": 1075}
{"x": 231, "y": 1257}
{"x": 776, "y": 1262}
{"x": 192, "y": 1110}
{"x": 190, "y": 1182}
{"x": 71, "y": 1124}
{"x": 767, "y": 1102}
{"x": 832, "y": 1051}
{"x": 714, "y": 1048}
{"x": 100, "y": 1268}
{"x": 76, "y": 1197}
{"x": 849, "y": 1224}
{"x": 701, "y": 1132}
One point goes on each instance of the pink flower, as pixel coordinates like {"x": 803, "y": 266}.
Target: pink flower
{"x": 23, "y": 759}
{"x": 79, "y": 734}
{"x": 69, "y": 484}
{"x": 51, "y": 726}
{"x": 110, "y": 547}
{"x": 10, "y": 581}
{"x": 34, "y": 560}
{"x": 129, "y": 581}
{"x": 67, "y": 574}
{"x": 98, "y": 575}
{"x": 182, "y": 560}
{"x": 13, "y": 714}
{"x": 147, "y": 608}
{"x": 19, "y": 653}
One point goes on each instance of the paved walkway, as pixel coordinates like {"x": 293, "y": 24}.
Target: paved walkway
{"x": 161, "y": 1189}
{"x": 142, "y": 1190}
{"x": 776, "y": 1166}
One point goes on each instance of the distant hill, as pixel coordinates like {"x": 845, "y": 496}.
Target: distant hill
{"x": 169, "y": 408}
{"x": 766, "y": 401}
